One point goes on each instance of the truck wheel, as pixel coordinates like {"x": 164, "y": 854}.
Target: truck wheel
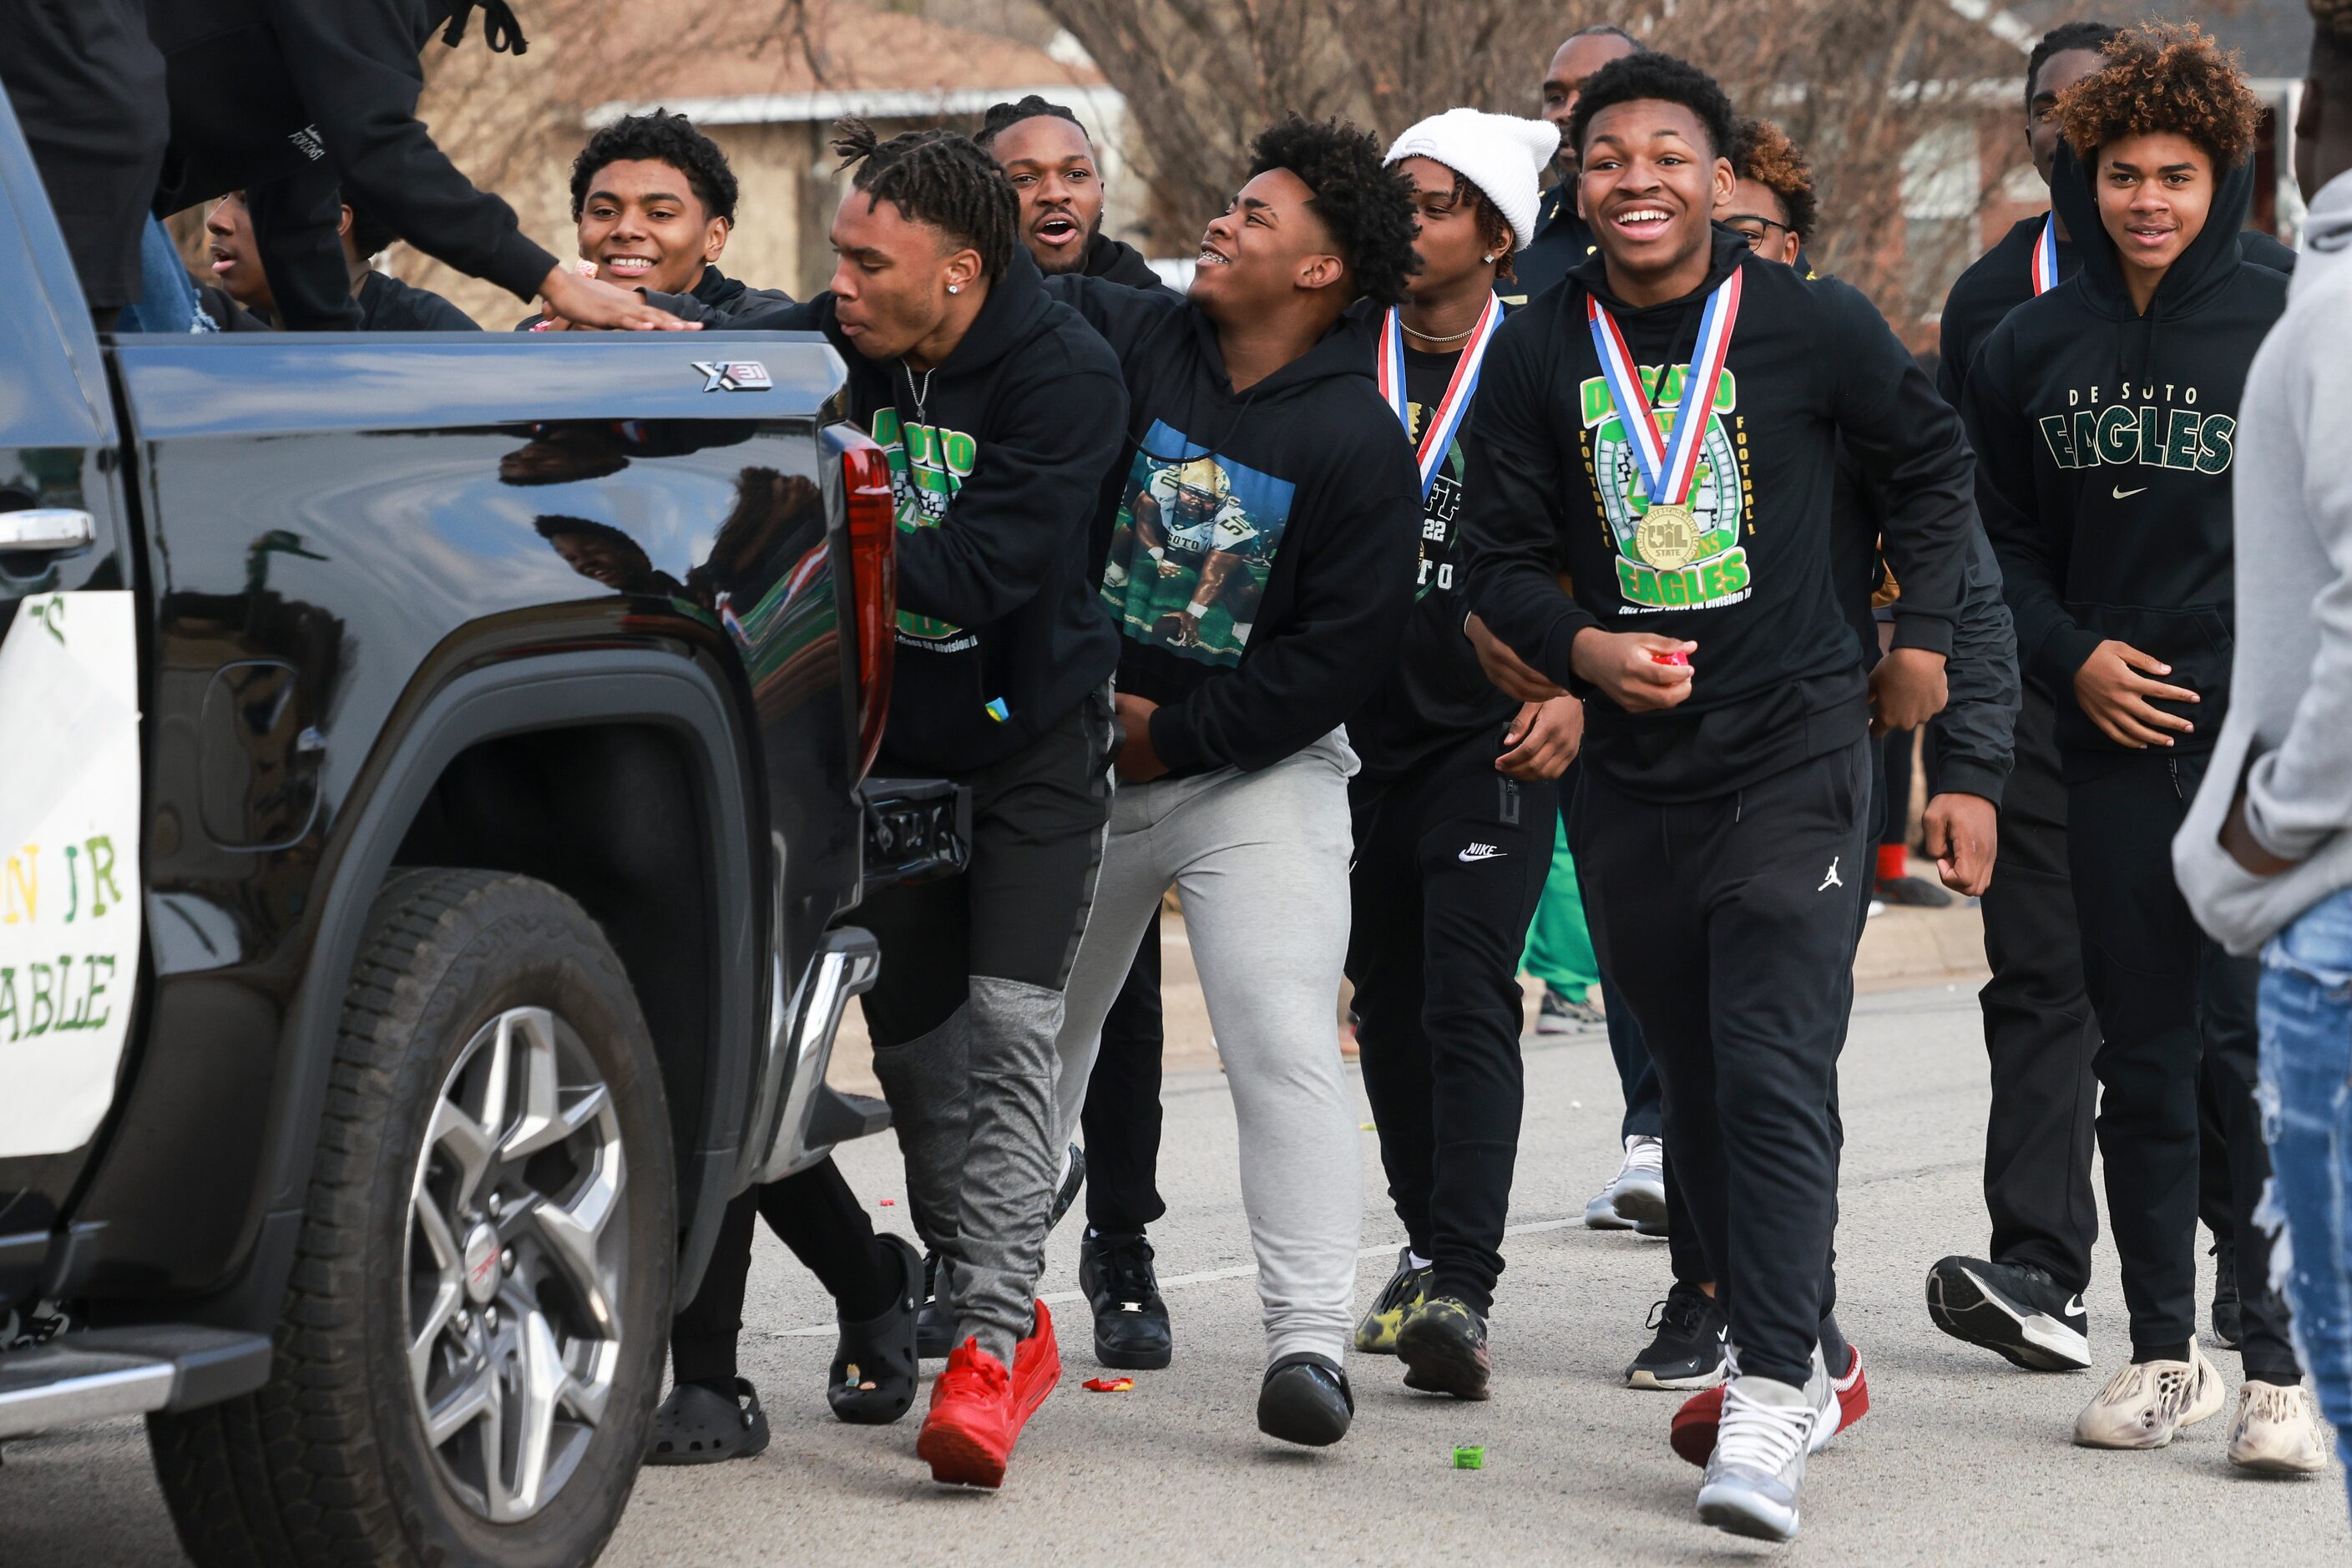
{"x": 472, "y": 1339}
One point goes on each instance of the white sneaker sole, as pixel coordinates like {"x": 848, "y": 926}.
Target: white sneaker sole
{"x": 1972, "y": 1312}
{"x": 1738, "y": 1511}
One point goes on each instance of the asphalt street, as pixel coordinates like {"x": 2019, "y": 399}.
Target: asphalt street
{"x": 1961, "y": 1459}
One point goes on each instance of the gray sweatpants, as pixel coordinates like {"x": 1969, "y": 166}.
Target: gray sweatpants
{"x": 1261, "y": 861}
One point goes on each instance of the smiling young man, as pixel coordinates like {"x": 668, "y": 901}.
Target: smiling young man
{"x": 1001, "y": 414}
{"x": 2104, "y": 414}
{"x": 653, "y": 200}
{"x": 1722, "y": 810}
{"x": 1050, "y": 160}
{"x": 1261, "y": 543}
{"x": 1562, "y": 237}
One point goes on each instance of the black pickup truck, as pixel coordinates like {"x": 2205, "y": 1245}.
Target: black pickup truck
{"x": 431, "y": 784}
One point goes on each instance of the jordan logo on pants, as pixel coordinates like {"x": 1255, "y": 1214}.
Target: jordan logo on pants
{"x": 1832, "y": 880}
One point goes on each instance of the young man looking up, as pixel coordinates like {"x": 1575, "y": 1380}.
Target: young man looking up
{"x": 1456, "y": 801}
{"x": 1725, "y": 793}
{"x": 1562, "y": 236}
{"x": 2103, "y": 414}
{"x": 1001, "y": 414}
{"x": 2265, "y": 855}
{"x": 1261, "y": 544}
{"x": 1050, "y": 160}
{"x": 653, "y": 200}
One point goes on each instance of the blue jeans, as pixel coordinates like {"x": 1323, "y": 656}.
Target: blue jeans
{"x": 2307, "y": 1103}
{"x": 167, "y": 301}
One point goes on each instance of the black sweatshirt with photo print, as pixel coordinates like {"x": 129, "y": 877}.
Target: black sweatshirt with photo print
{"x": 997, "y": 460}
{"x": 1257, "y": 546}
{"x": 1777, "y": 678}
{"x": 2105, "y": 441}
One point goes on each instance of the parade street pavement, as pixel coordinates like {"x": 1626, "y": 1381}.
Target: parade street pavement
{"x": 1961, "y": 1459}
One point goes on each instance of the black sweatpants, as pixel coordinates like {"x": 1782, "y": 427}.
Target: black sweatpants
{"x": 1729, "y": 924}
{"x": 1122, "y": 1111}
{"x": 2174, "y": 1007}
{"x": 817, "y": 1215}
{"x": 1450, "y": 863}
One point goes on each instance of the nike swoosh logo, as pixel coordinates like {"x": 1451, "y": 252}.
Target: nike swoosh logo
{"x": 2122, "y": 494}
{"x": 1489, "y": 855}
{"x": 2074, "y": 1307}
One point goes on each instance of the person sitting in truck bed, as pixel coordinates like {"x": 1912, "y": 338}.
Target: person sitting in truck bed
{"x": 239, "y": 298}
{"x": 655, "y": 201}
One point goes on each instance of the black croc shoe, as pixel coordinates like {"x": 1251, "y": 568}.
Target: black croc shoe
{"x": 935, "y": 1323}
{"x": 872, "y": 1383}
{"x": 699, "y": 1425}
{"x": 1305, "y": 1400}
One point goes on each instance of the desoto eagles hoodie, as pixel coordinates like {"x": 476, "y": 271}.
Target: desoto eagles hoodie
{"x": 997, "y": 460}
{"x": 1258, "y": 546}
{"x": 2105, "y": 441}
{"x": 1777, "y": 677}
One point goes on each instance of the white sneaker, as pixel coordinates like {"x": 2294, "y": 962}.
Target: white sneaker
{"x": 2145, "y": 1405}
{"x": 1757, "y": 1469}
{"x": 1635, "y": 1198}
{"x": 2277, "y": 1431}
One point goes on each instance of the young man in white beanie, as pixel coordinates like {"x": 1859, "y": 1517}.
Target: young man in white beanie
{"x": 1454, "y": 804}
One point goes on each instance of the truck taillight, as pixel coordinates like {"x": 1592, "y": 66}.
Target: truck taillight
{"x": 874, "y": 563}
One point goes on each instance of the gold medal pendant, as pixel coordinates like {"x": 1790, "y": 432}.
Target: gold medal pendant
{"x": 1667, "y": 537}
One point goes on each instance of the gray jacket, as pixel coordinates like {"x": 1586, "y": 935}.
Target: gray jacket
{"x": 2289, "y": 731}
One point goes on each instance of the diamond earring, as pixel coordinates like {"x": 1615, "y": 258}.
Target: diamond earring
{"x": 955, "y": 288}
{"x": 1488, "y": 258}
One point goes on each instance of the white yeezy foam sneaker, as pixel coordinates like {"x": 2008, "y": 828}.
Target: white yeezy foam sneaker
{"x": 2146, "y": 1404}
{"x": 2277, "y": 1431}
{"x": 1635, "y": 1197}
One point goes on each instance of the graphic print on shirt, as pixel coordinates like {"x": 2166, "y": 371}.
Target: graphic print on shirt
{"x": 1717, "y": 571}
{"x": 2149, "y": 426}
{"x": 1441, "y": 515}
{"x": 1192, "y": 548}
{"x": 928, "y": 466}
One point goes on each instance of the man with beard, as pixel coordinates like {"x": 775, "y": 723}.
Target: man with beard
{"x": 1050, "y": 160}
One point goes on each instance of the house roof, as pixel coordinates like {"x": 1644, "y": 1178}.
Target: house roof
{"x": 850, "y": 60}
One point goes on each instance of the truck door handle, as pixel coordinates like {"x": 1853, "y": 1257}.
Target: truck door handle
{"x": 47, "y": 528}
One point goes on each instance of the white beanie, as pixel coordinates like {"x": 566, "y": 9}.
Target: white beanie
{"x": 1502, "y": 154}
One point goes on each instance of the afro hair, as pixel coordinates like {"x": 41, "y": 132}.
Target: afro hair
{"x": 1368, "y": 208}
{"x": 1761, "y": 151}
{"x": 1651, "y": 75}
{"x": 2163, "y": 76}
{"x": 659, "y": 137}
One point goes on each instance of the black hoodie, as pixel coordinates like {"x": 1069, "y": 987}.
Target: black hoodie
{"x": 1108, "y": 259}
{"x": 2105, "y": 441}
{"x": 725, "y": 299}
{"x": 2002, "y": 279}
{"x": 1562, "y": 241}
{"x": 1261, "y": 543}
{"x": 997, "y": 458}
{"x": 1778, "y": 676}
{"x": 389, "y": 305}
{"x": 296, "y": 101}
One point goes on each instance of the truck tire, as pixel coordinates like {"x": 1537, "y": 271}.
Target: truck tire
{"x": 472, "y": 1340}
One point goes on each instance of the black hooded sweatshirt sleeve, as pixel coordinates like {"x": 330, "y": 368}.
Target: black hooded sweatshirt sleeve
{"x": 997, "y": 460}
{"x": 1304, "y": 483}
{"x": 317, "y": 93}
{"x": 2107, "y": 437}
{"x": 1778, "y": 676}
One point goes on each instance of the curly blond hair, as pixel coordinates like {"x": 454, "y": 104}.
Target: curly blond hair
{"x": 2163, "y": 76}
{"x": 1762, "y": 151}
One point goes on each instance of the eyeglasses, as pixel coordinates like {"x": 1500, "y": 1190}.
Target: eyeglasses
{"x": 1757, "y": 231}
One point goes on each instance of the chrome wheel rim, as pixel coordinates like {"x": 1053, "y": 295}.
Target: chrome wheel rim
{"x": 513, "y": 1265}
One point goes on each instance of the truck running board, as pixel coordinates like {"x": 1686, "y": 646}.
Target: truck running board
{"x": 93, "y": 1374}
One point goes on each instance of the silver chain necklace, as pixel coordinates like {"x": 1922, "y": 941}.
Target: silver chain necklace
{"x": 922, "y": 393}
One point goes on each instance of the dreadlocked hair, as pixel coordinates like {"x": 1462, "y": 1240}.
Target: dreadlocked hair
{"x": 1004, "y": 117}
{"x": 1762, "y": 151}
{"x": 2164, "y": 76}
{"x": 941, "y": 178}
{"x": 1368, "y": 208}
{"x": 2064, "y": 39}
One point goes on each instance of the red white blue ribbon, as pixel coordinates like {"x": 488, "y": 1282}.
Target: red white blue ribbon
{"x": 2046, "y": 257}
{"x": 1669, "y": 464}
{"x": 1437, "y": 434}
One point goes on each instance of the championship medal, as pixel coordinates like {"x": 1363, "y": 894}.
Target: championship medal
{"x": 1437, "y": 436}
{"x": 1668, "y": 534}
{"x": 2046, "y": 257}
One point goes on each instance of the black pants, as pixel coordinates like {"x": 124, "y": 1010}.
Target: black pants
{"x": 1450, "y": 863}
{"x": 1729, "y": 924}
{"x": 2174, "y": 1008}
{"x": 1637, "y": 1080}
{"x": 821, "y": 1220}
{"x": 1122, "y": 1110}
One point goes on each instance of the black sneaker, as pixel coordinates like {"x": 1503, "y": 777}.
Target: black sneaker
{"x": 1130, "y": 1319}
{"x": 1687, "y": 1352}
{"x": 1443, "y": 1347}
{"x": 2229, "y": 1313}
{"x": 1074, "y": 1176}
{"x": 934, "y": 1324}
{"x": 2012, "y": 1307}
{"x": 1407, "y": 1288}
{"x": 1305, "y": 1400}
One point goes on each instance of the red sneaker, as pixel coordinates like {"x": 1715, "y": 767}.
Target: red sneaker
{"x": 968, "y": 1435}
{"x": 1692, "y": 1432}
{"x": 1036, "y": 1368}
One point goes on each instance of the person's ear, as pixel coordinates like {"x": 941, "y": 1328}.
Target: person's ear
{"x": 1320, "y": 271}
{"x": 1789, "y": 245}
{"x": 714, "y": 238}
{"x": 343, "y": 224}
{"x": 963, "y": 269}
{"x": 1726, "y": 181}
